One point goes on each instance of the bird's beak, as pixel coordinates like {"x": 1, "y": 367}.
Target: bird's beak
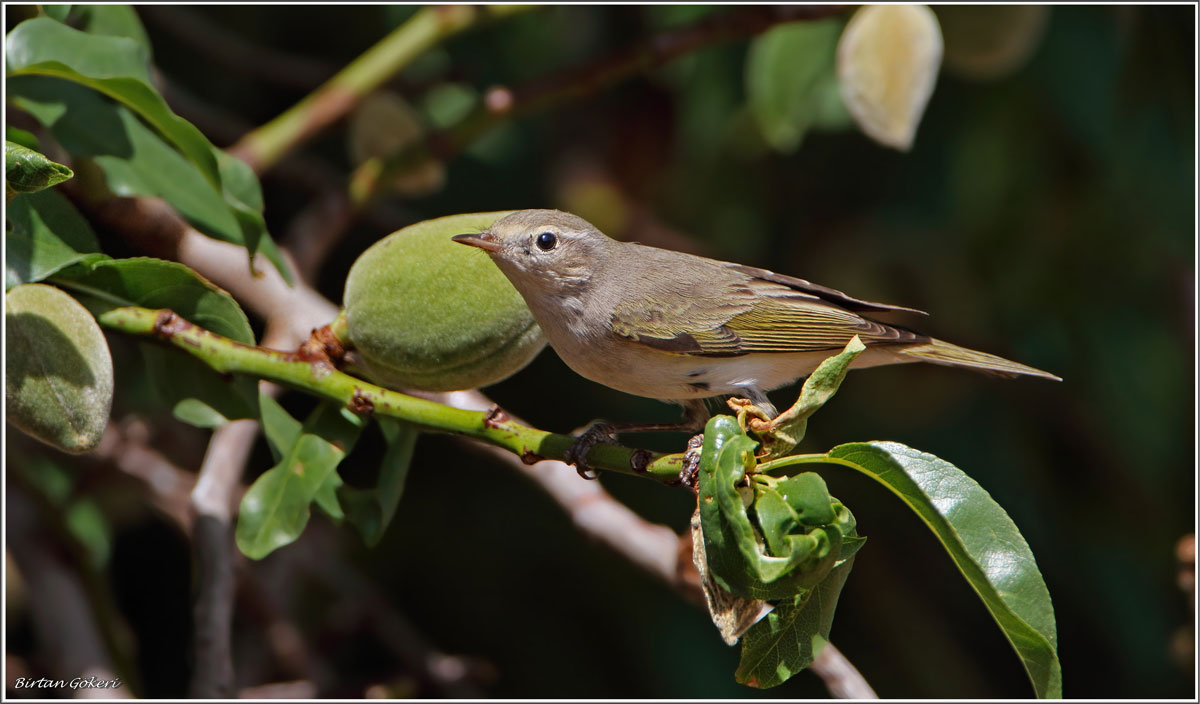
{"x": 485, "y": 241}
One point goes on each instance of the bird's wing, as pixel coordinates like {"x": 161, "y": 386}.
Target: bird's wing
{"x": 741, "y": 315}
{"x": 786, "y": 322}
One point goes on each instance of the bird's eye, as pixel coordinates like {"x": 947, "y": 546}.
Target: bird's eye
{"x": 546, "y": 241}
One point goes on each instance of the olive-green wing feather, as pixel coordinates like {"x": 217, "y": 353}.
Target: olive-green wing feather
{"x": 790, "y": 323}
{"x": 744, "y": 316}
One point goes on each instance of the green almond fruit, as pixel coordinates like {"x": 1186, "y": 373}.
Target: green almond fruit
{"x": 59, "y": 383}
{"x": 427, "y": 313}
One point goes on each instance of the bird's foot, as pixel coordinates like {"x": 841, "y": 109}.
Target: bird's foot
{"x": 689, "y": 475}
{"x": 596, "y": 433}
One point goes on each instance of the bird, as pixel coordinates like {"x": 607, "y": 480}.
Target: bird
{"x": 683, "y": 328}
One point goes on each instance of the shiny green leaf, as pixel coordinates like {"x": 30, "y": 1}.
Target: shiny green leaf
{"x": 27, "y": 171}
{"x": 787, "y": 640}
{"x": 983, "y": 542}
{"x": 43, "y": 234}
{"x": 276, "y": 508}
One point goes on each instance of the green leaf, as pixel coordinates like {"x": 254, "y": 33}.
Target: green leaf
{"x": 243, "y": 193}
{"x": 279, "y": 427}
{"x": 983, "y": 542}
{"x": 791, "y": 82}
{"x": 27, "y": 171}
{"x": 787, "y": 640}
{"x": 43, "y": 234}
{"x": 327, "y": 497}
{"x": 738, "y": 560}
{"x": 372, "y": 510}
{"x": 276, "y": 508}
{"x": 115, "y": 21}
{"x": 282, "y": 431}
{"x": 25, "y": 138}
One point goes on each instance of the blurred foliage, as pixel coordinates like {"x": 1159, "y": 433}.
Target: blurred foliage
{"x": 1044, "y": 214}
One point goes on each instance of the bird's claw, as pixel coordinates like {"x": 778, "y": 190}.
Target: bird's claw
{"x": 596, "y": 433}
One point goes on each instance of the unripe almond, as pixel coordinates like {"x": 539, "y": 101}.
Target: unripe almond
{"x": 427, "y": 313}
{"x": 59, "y": 383}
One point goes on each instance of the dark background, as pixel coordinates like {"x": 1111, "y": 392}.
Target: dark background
{"x": 1046, "y": 216}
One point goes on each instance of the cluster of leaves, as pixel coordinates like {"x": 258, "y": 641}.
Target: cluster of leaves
{"x": 90, "y": 88}
{"x": 788, "y": 541}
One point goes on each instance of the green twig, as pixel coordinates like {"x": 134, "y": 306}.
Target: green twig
{"x": 266, "y": 145}
{"x": 318, "y": 376}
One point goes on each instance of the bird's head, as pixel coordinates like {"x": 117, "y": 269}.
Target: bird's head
{"x": 544, "y": 251}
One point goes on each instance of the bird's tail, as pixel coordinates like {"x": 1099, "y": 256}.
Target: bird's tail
{"x": 939, "y": 352}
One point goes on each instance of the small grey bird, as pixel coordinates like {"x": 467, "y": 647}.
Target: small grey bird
{"x": 682, "y": 328}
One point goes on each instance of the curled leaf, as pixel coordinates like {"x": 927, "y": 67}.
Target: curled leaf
{"x": 772, "y": 546}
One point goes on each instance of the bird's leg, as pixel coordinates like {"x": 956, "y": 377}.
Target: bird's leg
{"x": 695, "y": 413}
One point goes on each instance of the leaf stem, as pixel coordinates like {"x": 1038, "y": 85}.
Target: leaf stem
{"x": 817, "y": 458}
{"x": 363, "y": 398}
